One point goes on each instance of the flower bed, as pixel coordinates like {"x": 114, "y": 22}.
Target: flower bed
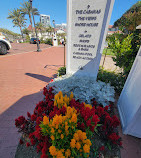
{"x": 62, "y": 126}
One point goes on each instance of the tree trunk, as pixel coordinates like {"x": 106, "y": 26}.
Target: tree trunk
{"x": 30, "y": 18}
{"x": 21, "y": 32}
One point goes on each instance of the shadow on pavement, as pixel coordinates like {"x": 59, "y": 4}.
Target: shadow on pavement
{"x": 41, "y": 77}
{"x": 9, "y": 137}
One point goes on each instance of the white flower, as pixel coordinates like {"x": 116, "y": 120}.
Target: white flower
{"x": 84, "y": 88}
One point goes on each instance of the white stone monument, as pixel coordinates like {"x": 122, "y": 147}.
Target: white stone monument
{"x": 55, "y": 41}
{"x": 129, "y": 103}
{"x": 87, "y": 25}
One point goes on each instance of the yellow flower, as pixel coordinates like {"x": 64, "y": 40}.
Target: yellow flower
{"x": 65, "y": 105}
{"x": 56, "y": 97}
{"x": 81, "y": 150}
{"x": 60, "y": 94}
{"x": 52, "y": 137}
{"x": 78, "y": 146}
{"x": 71, "y": 95}
{"x": 72, "y": 143}
{"x": 74, "y": 118}
{"x": 53, "y": 151}
{"x": 88, "y": 105}
{"x": 68, "y": 153}
{"x": 86, "y": 148}
{"x": 45, "y": 120}
{"x": 62, "y": 136}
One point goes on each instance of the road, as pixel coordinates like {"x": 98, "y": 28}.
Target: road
{"x": 18, "y": 48}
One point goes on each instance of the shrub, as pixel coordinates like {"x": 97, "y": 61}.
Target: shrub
{"x": 62, "y": 71}
{"x": 125, "y": 50}
{"x": 41, "y": 40}
{"x": 48, "y": 41}
{"x": 117, "y": 80}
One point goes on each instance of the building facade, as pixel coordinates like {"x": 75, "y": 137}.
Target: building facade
{"x": 45, "y": 20}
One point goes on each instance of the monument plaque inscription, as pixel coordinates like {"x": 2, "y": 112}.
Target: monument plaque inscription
{"x": 87, "y": 20}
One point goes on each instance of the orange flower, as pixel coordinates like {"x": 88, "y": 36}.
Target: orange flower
{"x": 71, "y": 95}
{"x": 52, "y": 137}
{"x": 59, "y": 131}
{"x": 78, "y": 146}
{"x": 74, "y": 118}
{"x": 76, "y": 137}
{"x": 53, "y": 151}
{"x": 86, "y": 148}
{"x": 68, "y": 153}
{"x": 52, "y": 130}
{"x": 45, "y": 120}
{"x": 62, "y": 136}
{"x": 59, "y": 154}
{"x": 88, "y": 142}
{"x": 72, "y": 143}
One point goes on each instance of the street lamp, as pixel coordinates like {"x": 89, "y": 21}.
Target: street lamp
{"x": 54, "y": 25}
{"x": 38, "y": 46}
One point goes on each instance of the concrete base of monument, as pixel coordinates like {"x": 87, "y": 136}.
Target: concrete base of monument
{"x": 131, "y": 127}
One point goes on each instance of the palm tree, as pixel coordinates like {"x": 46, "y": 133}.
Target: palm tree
{"x": 17, "y": 19}
{"x": 40, "y": 27}
{"x": 49, "y": 29}
{"x": 26, "y": 9}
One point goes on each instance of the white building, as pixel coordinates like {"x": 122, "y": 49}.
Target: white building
{"x": 45, "y": 20}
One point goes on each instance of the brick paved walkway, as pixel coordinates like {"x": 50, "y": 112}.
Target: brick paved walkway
{"x": 22, "y": 77}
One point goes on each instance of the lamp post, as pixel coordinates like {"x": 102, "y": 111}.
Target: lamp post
{"x": 53, "y": 21}
{"x": 38, "y": 46}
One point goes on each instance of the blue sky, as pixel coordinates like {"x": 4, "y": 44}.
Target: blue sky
{"x": 57, "y": 10}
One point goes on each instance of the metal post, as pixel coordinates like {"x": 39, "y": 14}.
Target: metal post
{"x": 38, "y": 46}
{"x": 64, "y": 53}
{"x": 104, "y": 57}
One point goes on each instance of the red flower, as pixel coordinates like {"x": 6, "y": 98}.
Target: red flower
{"x": 95, "y": 119}
{"x": 38, "y": 121}
{"x": 21, "y": 141}
{"x": 44, "y": 156}
{"x": 28, "y": 114}
{"x": 20, "y": 121}
{"x": 92, "y": 128}
{"x": 88, "y": 123}
{"x": 27, "y": 144}
{"x": 82, "y": 125}
{"x": 114, "y": 137}
{"x": 33, "y": 141}
{"x": 33, "y": 117}
{"x": 102, "y": 148}
{"x": 106, "y": 108}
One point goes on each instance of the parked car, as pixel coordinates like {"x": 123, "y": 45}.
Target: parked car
{"x": 4, "y": 45}
{"x": 34, "y": 41}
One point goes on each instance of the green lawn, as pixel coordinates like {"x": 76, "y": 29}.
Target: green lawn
{"x": 109, "y": 52}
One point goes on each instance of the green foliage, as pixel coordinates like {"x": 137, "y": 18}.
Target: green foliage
{"x": 27, "y": 38}
{"x": 8, "y": 32}
{"x": 115, "y": 79}
{"x": 26, "y": 31}
{"x": 48, "y": 41}
{"x": 108, "y": 51}
{"x": 62, "y": 71}
{"x": 131, "y": 18}
{"x": 123, "y": 52}
{"x": 41, "y": 40}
